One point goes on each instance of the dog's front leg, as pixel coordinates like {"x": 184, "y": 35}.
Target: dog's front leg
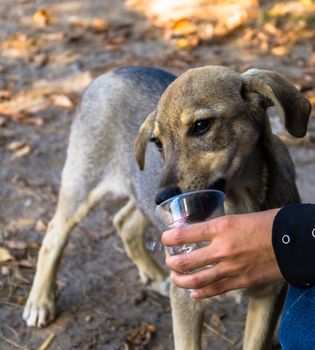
{"x": 40, "y": 306}
{"x": 264, "y": 309}
{"x": 187, "y": 316}
{"x": 74, "y": 204}
{"x": 131, "y": 225}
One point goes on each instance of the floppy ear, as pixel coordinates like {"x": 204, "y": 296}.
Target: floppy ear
{"x": 292, "y": 107}
{"x": 143, "y": 137}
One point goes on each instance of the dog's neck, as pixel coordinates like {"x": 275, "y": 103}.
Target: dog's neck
{"x": 247, "y": 193}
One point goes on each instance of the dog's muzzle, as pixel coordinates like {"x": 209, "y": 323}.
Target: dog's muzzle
{"x": 169, "y": 192}
{"x": 219, "y": 185}
{"x": 166, "y": 193}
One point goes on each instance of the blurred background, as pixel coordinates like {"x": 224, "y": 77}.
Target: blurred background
{"x": 50, "y": 51}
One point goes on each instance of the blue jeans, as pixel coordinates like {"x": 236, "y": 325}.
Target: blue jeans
{"x": 297, "y": 328}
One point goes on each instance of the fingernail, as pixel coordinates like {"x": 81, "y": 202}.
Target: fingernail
{"x": 193, "y": 294}
{"x": 172, "y": 276}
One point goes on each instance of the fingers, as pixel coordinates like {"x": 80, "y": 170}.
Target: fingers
{"x": 219, "y": 287}
{"x": 199, "y": 279}
{"x": 191, "y": 261}
{"x": 204, "y": 231}
{"x": 211, "y": 281}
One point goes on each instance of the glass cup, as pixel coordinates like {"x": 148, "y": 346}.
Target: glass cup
{"x": 188, "y": 208}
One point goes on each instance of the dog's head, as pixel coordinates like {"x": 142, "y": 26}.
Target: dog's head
{"x": 209, "y": 120}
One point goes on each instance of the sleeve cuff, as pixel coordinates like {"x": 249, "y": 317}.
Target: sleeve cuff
{"x": 293, "y": 240}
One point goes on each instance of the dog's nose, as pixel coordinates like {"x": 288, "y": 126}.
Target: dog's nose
{"x": 219, "y": 184}
{"x": 166, "y": 193}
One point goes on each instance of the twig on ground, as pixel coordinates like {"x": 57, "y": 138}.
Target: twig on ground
{"x": 15, "y": 332}
{"x": 105, "y": 314}
{"x": 11, "y": 342}
{"x": 214, "y": 331}
{"x": 118, "y": 249}
{"x": 7, "y": 303}
{"x": 47, "y": 342}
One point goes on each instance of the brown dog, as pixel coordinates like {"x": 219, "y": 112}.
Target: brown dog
{"x": 211, "y": 129}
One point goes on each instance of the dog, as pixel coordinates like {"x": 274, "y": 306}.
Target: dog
{"x": 206, "y": 129}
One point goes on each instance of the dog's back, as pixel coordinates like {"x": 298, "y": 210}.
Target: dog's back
{"x": 105, "y": 128}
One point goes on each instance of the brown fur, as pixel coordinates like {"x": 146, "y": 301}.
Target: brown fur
{"x": 238, "y": 147}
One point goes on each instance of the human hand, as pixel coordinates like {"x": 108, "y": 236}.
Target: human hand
{"x": 240, "y": 251}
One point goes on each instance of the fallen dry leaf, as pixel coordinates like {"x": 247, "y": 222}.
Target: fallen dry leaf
{"x": 3, "y": 121}
{"x": 21, "y": 300}
{"x": 206, "y": 31}
{"x": 62, "y": 101}
{"x": 307, "y": 3}
{"x": 99, "y": 25}
{"x": 280, "y": 51}
{"x": 20, "y": 223}
{"x": 5, "y": 95}
{"x": 79, "y": 22}
{"x": 139, "y": 298}
{"x": 311, "y": 61}
{"x": 111, "y": 47}
{"x": 15, "y": 145}
{"x": 187, "y": 43}
{"x": 33, "y": 245}
{"x": 19, "y": 42}
{"x": 37, "y": 121}
{"x": 40, "y": 226}
{"x": 184, "y": 27}
{"x": 271, "y": 28}
{"x": 19, "y": 148}
{"x": 18, "y": 117}
{"x": 291, "y": 7}
{"x": 12, "y": 244}
{"x": 40, "y": 60}
{"x": 216, "y": 320}
{"x": 5, "y": 255}
{"x": 237, "y": 19}
{"x": 42, "y": 18}
{"x": 25, "y": 104}
{"x": 138, "y": 339}
{"x": 118, "y": 40}
{"x": 22, "y": 152}
{"x": 55, "y": 36}
{"x": 29, "y": 263}
{"x": 5, "y": 270}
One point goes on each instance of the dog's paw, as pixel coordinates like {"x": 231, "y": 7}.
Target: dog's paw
{"x": 144, "y": 278}
{"x": 39, "y": 312}
{"x": 161, "y": 287}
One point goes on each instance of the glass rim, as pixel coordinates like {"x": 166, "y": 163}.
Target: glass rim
{"x": 182, "y": 195}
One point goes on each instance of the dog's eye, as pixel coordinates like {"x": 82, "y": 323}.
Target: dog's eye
{"x": 157, "y": 142}
{"x": 201, "y": 126}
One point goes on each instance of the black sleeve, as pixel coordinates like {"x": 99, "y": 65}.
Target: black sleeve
{"x": 293, "y": 240}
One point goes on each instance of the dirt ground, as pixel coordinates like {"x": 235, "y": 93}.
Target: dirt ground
{"x": 50, "y": 51}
